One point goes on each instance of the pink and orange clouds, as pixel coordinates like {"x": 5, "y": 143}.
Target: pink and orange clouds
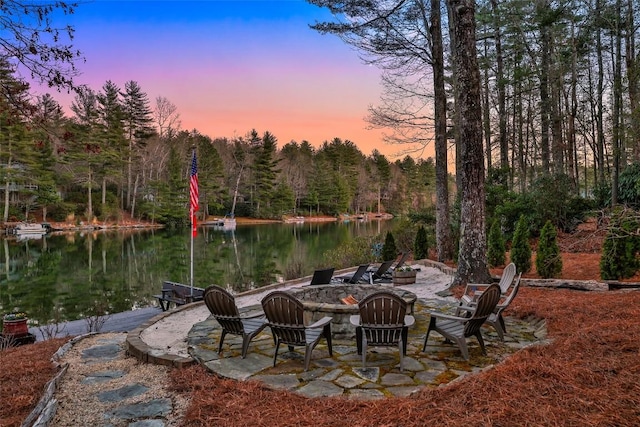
{"x": 232, "y": 66}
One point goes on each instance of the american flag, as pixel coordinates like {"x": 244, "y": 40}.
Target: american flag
{"x": 193, "y": 192}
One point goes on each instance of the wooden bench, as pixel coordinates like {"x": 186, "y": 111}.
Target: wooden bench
{"x": 178, "y": 294}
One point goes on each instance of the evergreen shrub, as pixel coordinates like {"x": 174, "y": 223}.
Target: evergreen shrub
{"x": 389, "y": 250}
{"x": 621, "y": 245}
{"x": 496, "y": 252}
{"x": 520, "y": 247}
{"x": 548, "y": 259}
{"x": 421, "y": 246}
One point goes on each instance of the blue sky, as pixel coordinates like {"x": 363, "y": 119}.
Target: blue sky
{"x": 232, "y": 66}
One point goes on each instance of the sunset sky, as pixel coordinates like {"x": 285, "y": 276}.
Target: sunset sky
{"x": 232, "y": 66}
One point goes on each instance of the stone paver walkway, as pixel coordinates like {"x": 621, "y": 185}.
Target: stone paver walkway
{"x": 105, "y": 387}
{"x": 343, "y": 373}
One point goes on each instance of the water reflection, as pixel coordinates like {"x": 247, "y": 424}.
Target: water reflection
{"x": 73, "y": 275}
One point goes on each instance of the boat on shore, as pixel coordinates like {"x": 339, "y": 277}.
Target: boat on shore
{"x": 30, "y": 230}
{"x": 226, "y": 223}
{"x": 293, "y": 219}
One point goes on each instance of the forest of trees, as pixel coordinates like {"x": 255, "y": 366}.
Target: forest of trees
{"x": 118, "y": 152}
{"x": 549, "y": 88}
{"x": 533, "y": 100}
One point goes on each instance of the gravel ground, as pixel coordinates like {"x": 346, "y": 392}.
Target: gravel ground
{"x": 78, "y": 403}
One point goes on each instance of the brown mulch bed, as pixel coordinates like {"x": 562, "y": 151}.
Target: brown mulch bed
{"x": 588, "y": 376}
{"x": 24, "y": 372}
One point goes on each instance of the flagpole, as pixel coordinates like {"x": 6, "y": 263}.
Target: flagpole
{"x": 193, "y": 208}
{"x": 192, "y": 228}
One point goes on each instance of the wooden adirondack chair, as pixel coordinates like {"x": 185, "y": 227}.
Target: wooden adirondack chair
{"x": 458, "y": 329}
{"x": 473, "y": 290}
{"x": 382, "y": 322}
{"x": 495, "y": 319}
{"x": 285, "y": 314}
{"x": 223, "y": 307}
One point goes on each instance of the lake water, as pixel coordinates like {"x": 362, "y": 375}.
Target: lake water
{"x": 75, "y": 275}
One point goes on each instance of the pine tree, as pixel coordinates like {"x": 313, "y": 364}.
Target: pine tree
{"x": 548, "y": 259}
{"x": 520, "y": 247}
{"x": 137, "y": 120}
{"x": 389, "y": 250}
{"x": 421, "y": 246}
{"x": 495, "y": 255}
{"x": 265, "y": 173}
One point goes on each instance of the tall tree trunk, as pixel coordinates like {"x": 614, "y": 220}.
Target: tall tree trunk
{"x": 633, "y": 77}
{"x": 89, "y": 202}
{"x": 500, "y": 85}
{"x": 457, "y": 119}
{"x": 443, "y": 234}
{"x": 599, "y": 100}
{"x": 104, "y": 192}
{"x": 486, "y": 117}
{"x": 543, "y": 6}
{"x": 135, "y": 194}
{"x": 617, "y": 106}
{"x": 472, "y": 258}
{"x": 557, "y": 140}
{"x": 5, "y": 215}
{"x": 572, "y": 109}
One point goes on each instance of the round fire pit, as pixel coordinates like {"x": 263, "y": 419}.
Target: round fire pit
{"x": 326, "y": 300}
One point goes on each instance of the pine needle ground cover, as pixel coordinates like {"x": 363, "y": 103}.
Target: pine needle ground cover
{"x": 588, "y": 375}
{"x": 24, "y": 372}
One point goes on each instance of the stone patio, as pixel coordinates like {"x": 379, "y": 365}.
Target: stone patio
{"x": 343, "y": 374}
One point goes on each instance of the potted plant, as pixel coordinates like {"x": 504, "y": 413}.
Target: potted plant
{"x": 15, "y": 324}
{"x": 404, "y": 275}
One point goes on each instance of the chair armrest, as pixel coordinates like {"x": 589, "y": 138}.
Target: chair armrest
{"x": 448, "y": 317}
{"x": 479, "y": 285}
{"x": 354, "y": 319}
{"x": 467, "y": 308}
{"x": 409, "y": 320}
{"x": 320, "y": 323}
{"x": 253, "y": 316}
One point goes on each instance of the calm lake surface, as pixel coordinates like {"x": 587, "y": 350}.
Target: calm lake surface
{"x": 75, "y": 275}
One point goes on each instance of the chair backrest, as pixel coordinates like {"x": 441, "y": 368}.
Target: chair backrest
{"x": 222, "y": 306}
{"x": 382, "y": 317}
{"x": 487, "y": 302}
{"x": 382, "y": 269}
{"x": 285, "y": 314}
{"x": 508, "y": 275}
{"x": 504, "y": 304}
{"x": 322, "y": 277}
{"x": 358, "y": 274}
{"x": 403, "y": 258}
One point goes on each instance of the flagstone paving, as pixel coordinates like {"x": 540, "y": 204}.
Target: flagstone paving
{"x": 344, "y": 375}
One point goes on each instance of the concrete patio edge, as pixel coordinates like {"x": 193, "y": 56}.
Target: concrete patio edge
{"x": 137, "y": 348}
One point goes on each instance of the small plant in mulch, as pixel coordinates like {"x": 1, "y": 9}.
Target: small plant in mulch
{"x": 621, "y": 246}
{"x": 520, "y": 247}
{"x": 548, "y": 259}
{"x": 496, "y": 250}
{"x": 421, "y": 246}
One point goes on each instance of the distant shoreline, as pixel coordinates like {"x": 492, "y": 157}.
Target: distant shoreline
{"x": 130, "y": 224}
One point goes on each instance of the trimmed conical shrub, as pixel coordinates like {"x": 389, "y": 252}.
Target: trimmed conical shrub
{"x": 420, "y": 246}
{"x": 520, "y": 247}
{"x": 548, "y": 259}
{"x": 621, "y": 245}
{"x": 496, "y": 252}
{"x": 389, "y": 250}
